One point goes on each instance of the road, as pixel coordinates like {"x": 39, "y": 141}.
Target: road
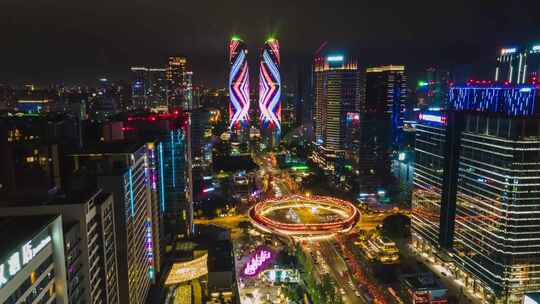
{"x": 339, "y": 271}
{"x": 337, "y": 267}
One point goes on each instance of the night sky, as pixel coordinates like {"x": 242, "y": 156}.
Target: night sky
{"x": 72, "y": 40}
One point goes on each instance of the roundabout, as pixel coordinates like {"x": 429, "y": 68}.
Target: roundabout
{"x": 304, "y": 217}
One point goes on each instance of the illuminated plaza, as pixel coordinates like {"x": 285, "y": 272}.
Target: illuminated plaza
{"x": 304, "y": 217}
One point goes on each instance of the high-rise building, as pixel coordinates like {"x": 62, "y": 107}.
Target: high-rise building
{"x": 32, "y": 261}
{"x": 433, "y": 91}
{"x": 337, "y": 95}
{"x": 148, "y": 87}
{"x": 140, "y": 84}
{"x": 125, "y": 170}
{"x": 516, "y": 65}
{"x": 179, "y": 83}
{"x": 304, "y": 94}
{"x": 238, "y": 85}
{"x": 173, "y": 184}
{"x": 157, "y": 91}
{"x": 386, "y": 96}
{"x": 200, "y": 155}
{"x": 475, "y": 189}
{"x": 270, "y": 87}
{"x": 90, "y": 243}
{"x": 169, "y": 133}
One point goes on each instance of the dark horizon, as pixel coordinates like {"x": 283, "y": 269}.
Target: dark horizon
{"x": 61, "y": 41}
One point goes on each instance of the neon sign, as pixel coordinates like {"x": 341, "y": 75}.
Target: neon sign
{"x": 433, "y": 118}
{"x": 257, "y": 261}
{"x": 334, "y": 58}
{"x": 20, "y": 258}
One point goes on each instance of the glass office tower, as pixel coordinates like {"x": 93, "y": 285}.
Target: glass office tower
{"x": 477, "y": 190}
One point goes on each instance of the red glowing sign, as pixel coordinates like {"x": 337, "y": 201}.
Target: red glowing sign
{"x": 257, "y": 261}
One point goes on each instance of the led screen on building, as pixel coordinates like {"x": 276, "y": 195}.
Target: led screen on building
{"x": 187, "y": 271}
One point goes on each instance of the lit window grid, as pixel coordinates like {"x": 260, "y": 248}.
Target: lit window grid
{"x": 497, "y": 216}
{"x": 428, "y": 179}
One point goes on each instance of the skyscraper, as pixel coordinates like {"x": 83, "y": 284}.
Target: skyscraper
{"x": 125, "y": 170}
{"x": 433, "y": 91}
{"x": 32, "y": 261}
{"x": 270, "y": 86}
{"x": 336, "y": 95}
{"x": 518, "y": 65}
{"x": 475, "y": 196}
{"x": 139, "y": 85}
{"x": 157, "y": 90}
{"x": 238, "y": 85}
{"x": 179, "y": 82}
{"x": 386, "y": 96}
{"x": 90, "y": 243}
{"x": 148, "y": 87}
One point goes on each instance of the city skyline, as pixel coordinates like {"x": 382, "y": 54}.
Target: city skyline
{"x": 104, "y": 40}
{"x": 162, "y": 152}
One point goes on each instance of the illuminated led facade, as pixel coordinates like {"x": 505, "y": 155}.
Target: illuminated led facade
{"x": 337, "y": 93}
{"x": 238, "y": 85}
{"x": 476, "y": 190}
{"x": 270, "y": 86}
{"x": 518, "y": 65}
{"x": 187, "y": 271}
{"x": 172, "y": 183}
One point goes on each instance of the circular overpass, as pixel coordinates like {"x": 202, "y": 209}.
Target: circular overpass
{"x": 302, "y": 216}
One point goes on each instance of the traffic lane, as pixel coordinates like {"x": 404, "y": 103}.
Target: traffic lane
{"x": 337, "y": 267}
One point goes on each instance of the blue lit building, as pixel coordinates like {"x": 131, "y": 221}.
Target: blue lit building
{"x": 476, "y": 193}
{"x": 172, "y": 184}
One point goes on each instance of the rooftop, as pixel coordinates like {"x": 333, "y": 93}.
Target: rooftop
{"x": 115, "y": 147}
{"x": 422, "y": 281}
{"x": 74, "y": 197}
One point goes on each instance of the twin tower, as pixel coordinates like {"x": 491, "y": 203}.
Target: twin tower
{"x": 269, "y": 86}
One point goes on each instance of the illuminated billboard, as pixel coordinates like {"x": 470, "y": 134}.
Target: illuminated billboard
{"x": 433, "y": 118}
{"x": 187, "y": 271}
{"x": 22, "y": 256}
{"x": 257, "y": 261}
